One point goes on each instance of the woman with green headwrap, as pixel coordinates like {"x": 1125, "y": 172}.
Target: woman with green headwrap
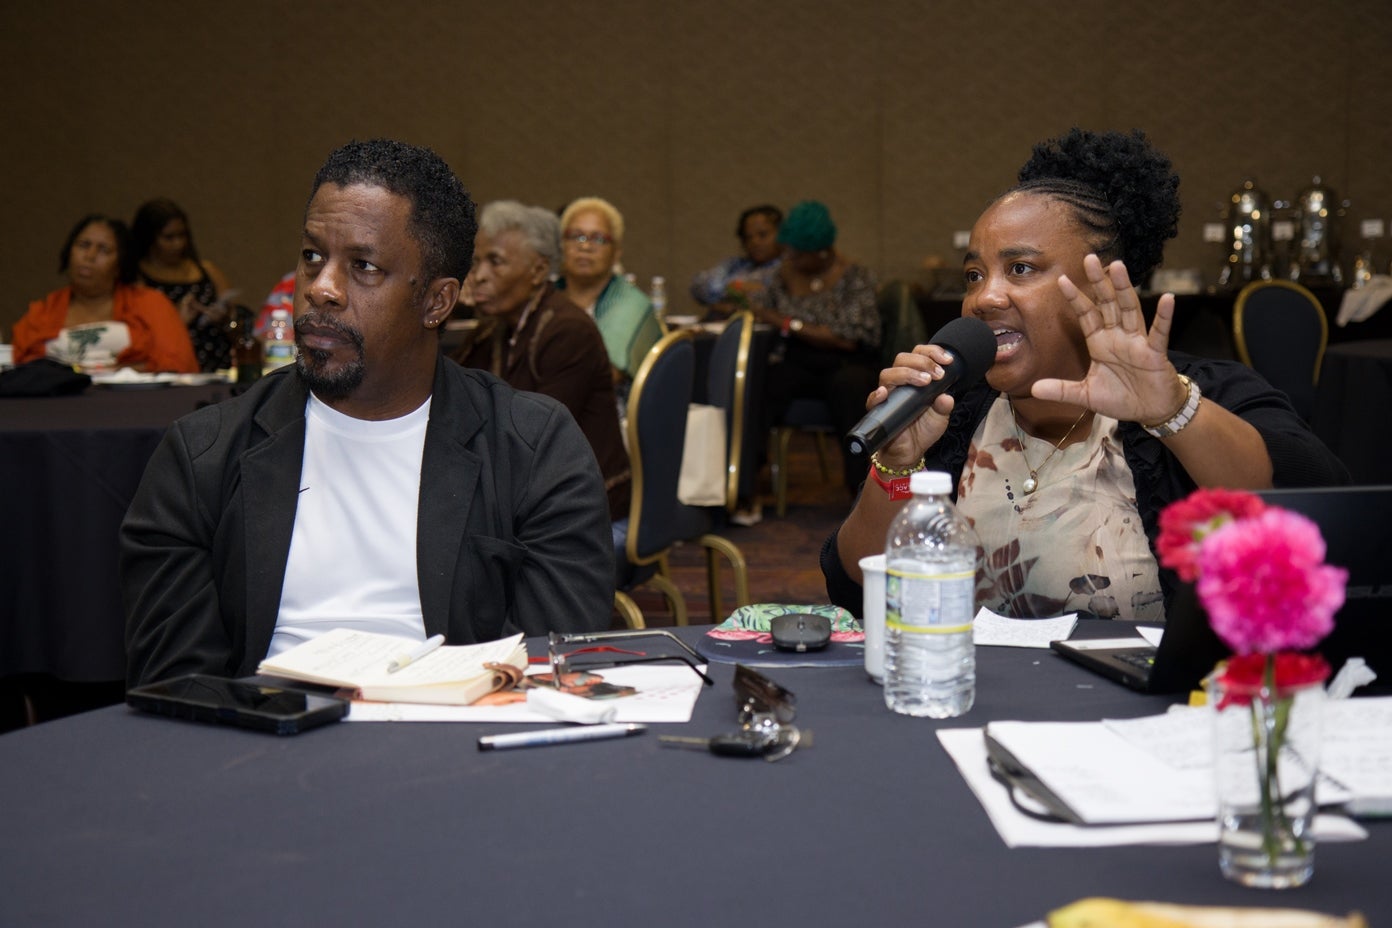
{"x": 824, "y": 308}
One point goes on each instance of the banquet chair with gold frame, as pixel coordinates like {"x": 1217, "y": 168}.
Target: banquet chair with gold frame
{"x": 656, "y": 434}
{"x": 1280, "y": 331}
{"x": 734, "y": 377}
{"x": 628, "y": 610}
{"x": 731, "y": 385}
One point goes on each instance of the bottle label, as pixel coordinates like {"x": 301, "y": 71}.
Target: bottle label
{"x": 279, "y": 353}
{"x": 929, "y": 603}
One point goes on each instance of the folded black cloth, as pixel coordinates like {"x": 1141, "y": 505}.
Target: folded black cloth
{"x": 43, "y": 377}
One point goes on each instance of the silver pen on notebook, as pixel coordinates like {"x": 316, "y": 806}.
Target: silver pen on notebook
{"x": 416, "y": 653}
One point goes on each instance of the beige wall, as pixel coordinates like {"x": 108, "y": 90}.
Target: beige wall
{"x": 904, "y": 117}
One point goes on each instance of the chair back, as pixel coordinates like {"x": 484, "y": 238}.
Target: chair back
{"x": 902, "y": 325}
{"x": 734, "y": 377}
{"x": 657, "y": 407}
{"x": 1279, "y": 330}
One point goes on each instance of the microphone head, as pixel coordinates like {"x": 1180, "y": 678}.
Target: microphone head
{"x": 973, "y": 348}
{"x": 972, "y": 342}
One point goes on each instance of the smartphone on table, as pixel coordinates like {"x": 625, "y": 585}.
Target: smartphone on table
{"x": 243, "y": 703}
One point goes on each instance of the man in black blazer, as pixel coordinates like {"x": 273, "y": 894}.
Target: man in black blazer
{"x": 374, "y": 483}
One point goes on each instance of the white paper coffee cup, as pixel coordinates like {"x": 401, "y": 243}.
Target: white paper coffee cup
{"x": 872, "y": 615}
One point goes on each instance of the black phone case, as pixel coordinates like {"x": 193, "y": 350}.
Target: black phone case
{"x": 224, "y": 701}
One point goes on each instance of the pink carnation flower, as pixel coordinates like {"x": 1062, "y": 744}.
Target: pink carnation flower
{"x": 1264, "y": 583}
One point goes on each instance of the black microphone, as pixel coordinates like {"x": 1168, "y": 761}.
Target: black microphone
{"x": 973, "y": 348}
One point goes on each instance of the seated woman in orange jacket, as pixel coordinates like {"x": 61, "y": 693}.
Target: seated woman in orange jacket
{"x": 101, "y": 317}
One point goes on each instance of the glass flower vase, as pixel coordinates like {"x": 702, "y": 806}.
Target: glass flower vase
{"x": 1267, "y": 740}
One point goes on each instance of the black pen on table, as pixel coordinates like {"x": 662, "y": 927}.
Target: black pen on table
{"x": 532, "y": 739}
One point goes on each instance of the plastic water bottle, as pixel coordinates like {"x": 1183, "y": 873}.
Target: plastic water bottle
{"x": 930, "y": 599}
{"x": 659, "y": 298}
{"x": 280, "y": 341}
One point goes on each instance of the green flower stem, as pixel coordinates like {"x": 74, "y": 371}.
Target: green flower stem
{"x": 1271, "y": 717}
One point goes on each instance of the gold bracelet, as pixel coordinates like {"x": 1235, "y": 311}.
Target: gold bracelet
{"x": 895, "y": 471}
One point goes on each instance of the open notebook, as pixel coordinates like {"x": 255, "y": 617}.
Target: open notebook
{"x": 1356, "y": 523}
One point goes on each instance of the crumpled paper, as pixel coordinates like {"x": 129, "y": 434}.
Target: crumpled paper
{"x": 563, "y": 707}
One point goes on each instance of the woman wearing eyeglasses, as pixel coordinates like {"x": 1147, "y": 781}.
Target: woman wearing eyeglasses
{"x": 592, "y": 241}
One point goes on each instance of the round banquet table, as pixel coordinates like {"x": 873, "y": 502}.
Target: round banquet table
{"x": 116, "y": 817}
{"x": 68, "y": 469}
{"x": 1351, "y": 403}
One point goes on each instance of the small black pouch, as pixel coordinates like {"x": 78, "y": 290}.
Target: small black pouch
{"x": 43, "y": 377}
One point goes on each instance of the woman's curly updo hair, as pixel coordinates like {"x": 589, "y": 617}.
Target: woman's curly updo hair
{"x": 1122, "y": 191}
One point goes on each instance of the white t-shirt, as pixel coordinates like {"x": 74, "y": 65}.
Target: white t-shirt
{"x": 353, "y": 553}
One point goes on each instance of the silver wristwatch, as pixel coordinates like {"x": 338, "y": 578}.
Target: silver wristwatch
{"x": 1176, "y": 423}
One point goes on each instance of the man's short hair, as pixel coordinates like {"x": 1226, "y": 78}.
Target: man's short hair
{"x": 442, "y": 214}
{"x": 539, "y": 228}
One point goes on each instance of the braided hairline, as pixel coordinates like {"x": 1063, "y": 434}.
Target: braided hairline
{"x": 1090, "y": 208}
{"x": 1121, "y": 190}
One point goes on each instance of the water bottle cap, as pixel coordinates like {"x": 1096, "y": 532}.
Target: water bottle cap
{"x": 930, "y": 483}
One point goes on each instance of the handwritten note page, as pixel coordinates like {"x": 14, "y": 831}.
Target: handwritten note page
{"x": 1357, "y": 751}
{"x": 1160, "y": 768}
{"x": 990, "y": 628}
{"x": 968, "y": 750}
{"x": 1181, "y": 737}
{"x": 1104, "y": 778}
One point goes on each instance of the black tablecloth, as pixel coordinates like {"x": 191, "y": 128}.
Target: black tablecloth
{"x": 1351, "y": 408}
{"x": 119, "y": 818}
{"x": 68, "y": 469}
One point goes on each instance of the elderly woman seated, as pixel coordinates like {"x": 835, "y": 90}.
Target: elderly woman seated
{"x": 593, "y": 232}
{"x": 535, "y": 338}
{"x": 102, "y": 318}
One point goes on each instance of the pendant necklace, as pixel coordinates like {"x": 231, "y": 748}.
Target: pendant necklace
{"x": 1032, "y": 482}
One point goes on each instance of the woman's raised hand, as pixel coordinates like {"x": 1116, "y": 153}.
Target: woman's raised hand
{"x": 1130, "y": 377}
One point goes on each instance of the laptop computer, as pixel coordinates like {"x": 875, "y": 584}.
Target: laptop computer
{"x": 1356, "y": 523}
